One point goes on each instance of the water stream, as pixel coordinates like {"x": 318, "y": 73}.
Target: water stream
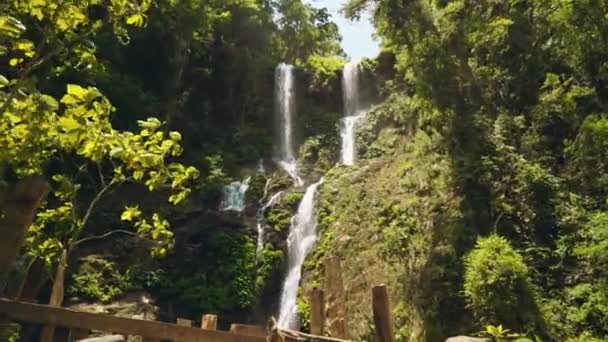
{"x": 301, "y": 239}
{"x": 233, "y": 196}
{"x": 285, "y": 94}
{"x": 353, "y": 114}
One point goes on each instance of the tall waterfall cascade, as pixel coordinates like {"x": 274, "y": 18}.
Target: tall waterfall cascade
{"x": 353, "y": 114}
{"x": 233, "y": 196}
{"x": 285, "y": 93}
{"x": 300, "y": 242}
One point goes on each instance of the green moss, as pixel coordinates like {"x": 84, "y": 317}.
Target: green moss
{"x": 303, "y": 307}
{"x": 222, "y": 279}
{"x": 279, "y": 219}
{"x": 270, "y": 260}
{"x": 256, "y": 188}
{"x": 293, "y": 199}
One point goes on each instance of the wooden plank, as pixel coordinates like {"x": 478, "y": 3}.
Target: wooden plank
{"x": 285, "y": 335}
{"x": 209, "y": 322}
{"x": 78, "y": 334}
{"x": 43, "y": 314}
{"x": 249, "y": 330}
{"x": 383, "y": 317}
{"x": 336, "y": 307}
{"x": 184, "y": 322}
{"x": 317, "y": 312}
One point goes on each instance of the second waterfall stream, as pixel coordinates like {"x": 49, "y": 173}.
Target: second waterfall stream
{"x": 301, "y": 240}
{"x": 353, "y": 113}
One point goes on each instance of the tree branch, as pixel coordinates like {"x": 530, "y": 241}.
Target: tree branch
{"x": 89, "y": 211}
{"x": 101, "y": 237}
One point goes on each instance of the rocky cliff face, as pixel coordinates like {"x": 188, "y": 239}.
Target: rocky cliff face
{"x": 393, "y": 219}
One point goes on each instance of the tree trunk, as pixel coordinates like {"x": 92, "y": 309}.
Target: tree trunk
{"x": 56, "y": 295}
{"x": 18, "y": 205}
{"x": 174, "y": 92}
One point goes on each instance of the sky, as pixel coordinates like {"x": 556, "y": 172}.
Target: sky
{"x": 357, "y": 38}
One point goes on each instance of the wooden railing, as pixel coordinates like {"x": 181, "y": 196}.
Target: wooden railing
{"x": 42, "y": 314}
{"x": 81, "y": 323}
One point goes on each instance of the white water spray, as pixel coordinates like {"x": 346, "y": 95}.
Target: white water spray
{"x": 285, "y": 93}
{"x": 352, "y": 112}
{"x": 301, "y": 239}
{"x": 233, "y": 197}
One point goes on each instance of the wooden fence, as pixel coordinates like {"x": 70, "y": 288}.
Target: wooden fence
{"x": 81, "y": 323}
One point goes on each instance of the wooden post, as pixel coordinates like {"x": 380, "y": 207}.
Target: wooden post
{"x": 248, "y": 330}
{"x": 209, "y": 322}
{"x": 383, "y": 317}
{"x": 336, "y": 311}
{"x": 317, "y": 312}
{"x": 184, "y": 322}
{"x": 78, "y": 334}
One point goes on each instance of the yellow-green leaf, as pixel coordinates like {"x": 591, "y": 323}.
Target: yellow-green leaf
{"x": 3, "y": 81}
{"x": 136, "y": 20}
{"x": 50, "y": 102}
{"x": 69, "y": 124}
{"x": 130, "y": 213}
{"x": 10, "y": 26}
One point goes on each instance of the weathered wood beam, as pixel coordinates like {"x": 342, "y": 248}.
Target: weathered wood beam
{"x": 209, "y": 322}
{"x": 292, "y": 336}
{"x": 383, "y": 317}
{"x": 317, "y": 312}
{"x": 250, "y": 330}
{"x": 43, "y": 314}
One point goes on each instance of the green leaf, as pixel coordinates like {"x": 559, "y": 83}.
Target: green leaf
{"x": 136, "y": 20}
{"x": 150, "y": 123}
{"x": 3, "y": 81}
{"x": 150, "y": 160}
{"x": 77, "y": 91}
{"x": 10, "y": 26}
{"x": 50, "y": 102}
{"x": 130, "y": 213}
{"x": 69, "y": 124}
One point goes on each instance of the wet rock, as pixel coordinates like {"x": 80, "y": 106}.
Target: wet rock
{"x": 137, "y": 305}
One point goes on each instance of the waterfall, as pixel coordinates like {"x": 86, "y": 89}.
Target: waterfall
{"x": 285, "y": 107}
{"x": 233, "y": 196}
{"x": 301, "y": 239}
{"x": 352, "y": 112}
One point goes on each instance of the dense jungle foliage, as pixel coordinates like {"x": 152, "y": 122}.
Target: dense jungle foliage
{"x": 480, "y": 195}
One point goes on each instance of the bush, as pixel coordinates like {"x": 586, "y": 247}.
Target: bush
{"x": 496, "y": 284}
{"x": 100, "y": 280}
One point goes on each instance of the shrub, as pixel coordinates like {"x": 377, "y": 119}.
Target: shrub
{"x": 496, "y": 284}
